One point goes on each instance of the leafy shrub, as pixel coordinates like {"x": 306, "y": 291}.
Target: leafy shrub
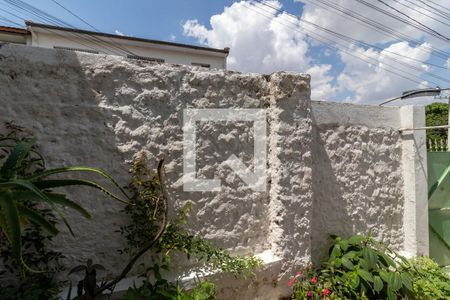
{"x": 147, "y": 212}
{"x": 436, "y": 114}
{"x": 24, "y": 180}
{"x": 361, "y": 268}
{"x": 430, "y": 282}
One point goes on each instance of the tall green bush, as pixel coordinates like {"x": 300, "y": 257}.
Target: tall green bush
{"x": 436, "y": 114}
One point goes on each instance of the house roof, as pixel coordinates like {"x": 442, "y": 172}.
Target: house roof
{"x": 158, "y": 42}
{"x": 14, "y": 30}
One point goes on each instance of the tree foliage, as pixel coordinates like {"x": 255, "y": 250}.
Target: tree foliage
{"x": 436, "y": 114}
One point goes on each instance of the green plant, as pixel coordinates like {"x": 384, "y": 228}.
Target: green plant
{"x": 16, "y": 282}
{"x": 308, "y": 285}
{"x": 361, "y": 268}
{"x": 148, "y": 213}
{"x": 160, "y": 288}
{"x": 23, "y": 178}
{"x": 32, "y": 286}
{"x": 430, "y": 282}
{"x": 436, "y": 114}
{"x": 87, "y": 287}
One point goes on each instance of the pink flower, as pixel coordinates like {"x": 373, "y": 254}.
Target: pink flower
{"x": 326, "y": 292}
{"x": 298, "y": 273}
{"x": 314, "y": 280}
{"x": 291, "y": 281}
{"x": 308, "y": 294}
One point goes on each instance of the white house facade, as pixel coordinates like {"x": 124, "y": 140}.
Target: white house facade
{"x": 49, "y": 36}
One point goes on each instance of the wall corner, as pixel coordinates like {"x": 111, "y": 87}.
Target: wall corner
{"x": 414, "y": 165}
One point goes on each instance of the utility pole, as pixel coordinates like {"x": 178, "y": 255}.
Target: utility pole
{"x": 448, "y": 123}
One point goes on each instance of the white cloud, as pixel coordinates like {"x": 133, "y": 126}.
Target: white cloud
{"x": 261, "y": 42}
{"x": 173, "y": 37}
{"x": 372, "y": 83}
{"x": 264, "y": 41}
{"x": 448, "y": 63}
{"x": 325, "y": 16}
{"x": 119, "y": 33}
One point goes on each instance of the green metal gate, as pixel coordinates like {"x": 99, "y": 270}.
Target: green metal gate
{"x": 439, "y": 206}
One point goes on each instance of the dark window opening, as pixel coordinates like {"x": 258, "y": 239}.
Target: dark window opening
{"x": 159, "y": 60}
{"x": 75, "y": 49}
{"x": 201, "y": 65}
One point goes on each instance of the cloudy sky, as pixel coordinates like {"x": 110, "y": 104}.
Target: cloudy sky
{"x": 361, "y": 65}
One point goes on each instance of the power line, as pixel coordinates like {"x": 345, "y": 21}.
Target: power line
{"x": 61, "y": 35}
{"x": 348, "y": 39}
{"x": 421, "y": 12}
{"x": 375, "y": 25}
{"x": 19, "y": 6}
{"x": 58, "y": 22}
{"x": 437, "y": 4}
{"x": 430, "y": 9}
{"x": 321, "y": 39}
{"x": 10, "y": 21}
{"x": 418, "y": 26}
{"x": 95, "y": 29}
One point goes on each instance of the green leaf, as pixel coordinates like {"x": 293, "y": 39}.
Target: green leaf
{"x": 344, "y": 245}
{"x": 386, "y": 260}
{"x": 350, "y": 255}
{"x": 335, "y": 252}
{"x": 15, "y": 159}
{"x": 11, "y": 220}
{"x": 384, "y": 275}
{"x": 407, "y": 280}
{"x": 61, "y": 199}
{"x": 54, "y": 198}
{"x": 100, "y": 172}
{"x": 354, "y": 281}
{"x": 28, "y": 185}
{"x": 356, "y": 240}
{"x": 394, "y": 281}
{"x": 347, "y": 263}
{"x": 391, "y": 294}
{"x": 365, "y": 275}
{"x": 370, "y": 256}
{"x": 36, "y": 218}
{"x": 377, "y": 284}
{"x": 363, "y": 264}
{"x": 46, "y": 184}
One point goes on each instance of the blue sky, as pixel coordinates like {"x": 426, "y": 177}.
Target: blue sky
{"x": 140, "y": 18}
{"x": 263, "y": 41}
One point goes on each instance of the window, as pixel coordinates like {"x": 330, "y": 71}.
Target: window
{"x": 201, "y": 65}
{"x": 75, "y": 49}
{"x": 159, "y": 60}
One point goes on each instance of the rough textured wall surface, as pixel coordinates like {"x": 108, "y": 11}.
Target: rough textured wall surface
{"x": 358, "y": 186}
{"x": 326, "y": 172}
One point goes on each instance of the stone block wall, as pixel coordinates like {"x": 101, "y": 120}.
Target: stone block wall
{"x": 331, "y": 168}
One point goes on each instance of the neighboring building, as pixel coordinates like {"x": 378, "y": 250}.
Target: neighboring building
{"x": 14, "y": 35}
{"x": 49, "y": 36}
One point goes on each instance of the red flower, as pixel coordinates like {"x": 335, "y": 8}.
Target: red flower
{"x": 298, "y": 273}
{"x": 308, "y": 295}
{"x": 291, "y": 281}
{"x": 314, "y": 280}
{"x": 326, "y": 292}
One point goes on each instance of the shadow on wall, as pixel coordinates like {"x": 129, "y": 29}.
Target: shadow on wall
{"x": 328, "y": 208}
{"x": 357, "y": 185}
{"x": 101, "y": 110}
{"x": 49, "y": 95}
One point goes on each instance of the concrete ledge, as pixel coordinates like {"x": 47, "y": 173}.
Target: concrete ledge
{"x": 351, "y": 114}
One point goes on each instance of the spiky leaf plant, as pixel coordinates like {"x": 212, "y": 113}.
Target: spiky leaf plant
{"x": 21, "y": 180}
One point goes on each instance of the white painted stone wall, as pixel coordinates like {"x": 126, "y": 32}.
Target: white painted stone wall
{"x": 332, "y": 168}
